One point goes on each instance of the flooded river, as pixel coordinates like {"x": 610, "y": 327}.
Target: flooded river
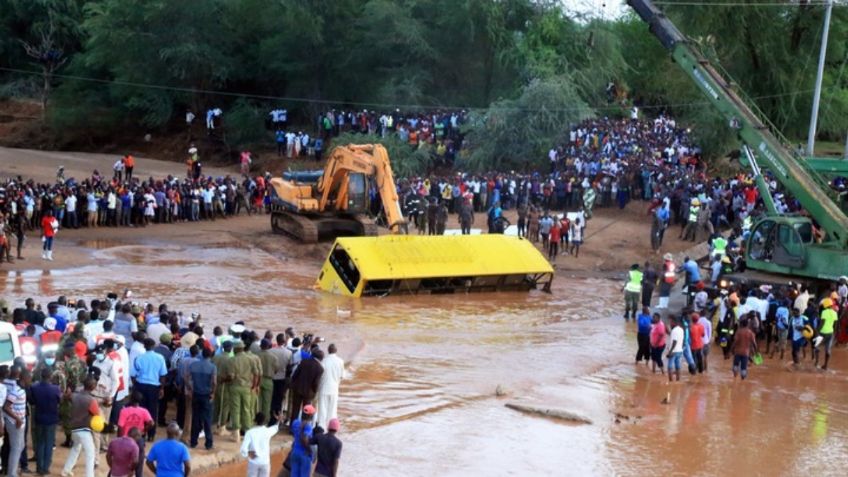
{"x": 423, "y": 372}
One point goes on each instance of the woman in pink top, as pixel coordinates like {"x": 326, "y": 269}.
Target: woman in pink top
{"x": 657, "y": 343}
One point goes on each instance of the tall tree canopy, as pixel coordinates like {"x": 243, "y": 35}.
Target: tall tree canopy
{"x": 526, "y": 68}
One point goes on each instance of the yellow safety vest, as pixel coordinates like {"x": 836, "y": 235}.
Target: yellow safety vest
{"x": 719, "y": 245}
{"x": 634, "y": 284}
{"x": 693, "y": 214}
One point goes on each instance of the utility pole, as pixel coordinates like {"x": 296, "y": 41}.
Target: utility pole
{"x": 811, "y": 136}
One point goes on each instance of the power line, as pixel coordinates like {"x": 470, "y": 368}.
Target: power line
{"x": 605, "y": 107}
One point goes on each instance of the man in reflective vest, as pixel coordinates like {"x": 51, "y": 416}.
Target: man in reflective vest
{"x": 719, "y": 246}
{"x": 632, "y": 291}
{"x": 691, "y": 229}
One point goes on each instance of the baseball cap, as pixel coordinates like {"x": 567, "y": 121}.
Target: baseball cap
{"x": 50, "y": 324}
{"x": 309, "y": 409}
{"x": 333, "y": 425}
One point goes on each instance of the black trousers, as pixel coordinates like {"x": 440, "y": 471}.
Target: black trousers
{"x": 644, "y": 351}
{"x": 278, "y": 395}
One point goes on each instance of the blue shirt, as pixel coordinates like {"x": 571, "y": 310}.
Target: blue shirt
{"x": 644, "y": 322}
{"x": 148, "y": 368}
{"x": 46, "y": 398}
{"x": 298, "y": 430}
{"x": 61, "y": 323}
{"x": 782, "y": 317}
{"x": 798, "y": 322}
{"x": 169, "y": 456}
{"x": 202, "y": 373}
{"x": 691, "y": 268}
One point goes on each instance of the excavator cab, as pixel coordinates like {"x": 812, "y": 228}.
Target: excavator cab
{"x": 781, "y": 240}
{"x": 357, "y": 193}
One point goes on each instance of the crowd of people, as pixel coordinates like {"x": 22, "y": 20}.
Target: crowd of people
{"x": 122, "y": 200}
{"x": 740, "y": 320}
{"x": 105, "y": 374}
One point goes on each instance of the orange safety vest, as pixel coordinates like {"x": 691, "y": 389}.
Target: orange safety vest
{"x": 669, "y": 275}
{"x": 129, "y": 161}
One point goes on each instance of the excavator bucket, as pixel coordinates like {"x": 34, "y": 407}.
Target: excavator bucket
{"x": 408, "y": 264}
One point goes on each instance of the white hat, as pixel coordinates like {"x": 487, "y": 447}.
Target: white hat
{"x": 237, "y": 329}
{"x": 50, "y": 324}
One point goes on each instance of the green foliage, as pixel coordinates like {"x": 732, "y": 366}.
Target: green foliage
{"x": 245, "y": 123}
{"x": 406, "y": 160}
{"x": 152, "y": 59}
{"x": 515, "y": 134}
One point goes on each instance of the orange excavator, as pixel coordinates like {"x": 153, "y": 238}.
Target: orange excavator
{"x": 312, "y": 205}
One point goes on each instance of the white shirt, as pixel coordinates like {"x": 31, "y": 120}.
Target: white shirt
{"x": 677, "y": 339}
{"x": 70, "y": 203}
{"x": 258, "y": 440}
{"x": 332, "y": 376}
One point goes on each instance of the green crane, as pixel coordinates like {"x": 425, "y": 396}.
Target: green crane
{"x": 778, "y": 243}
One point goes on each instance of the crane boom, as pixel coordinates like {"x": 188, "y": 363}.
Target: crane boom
{"x": 807, "y": 186}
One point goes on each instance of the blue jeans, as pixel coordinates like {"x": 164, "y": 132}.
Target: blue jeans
{"x": 201, "y": 418}
{"x": 674, "y": 361}
{"x": 48, "y": 244}
{"x": 301, "y": 465}
{"x": 45, "y": 438}
{"x": 740, "y": 365}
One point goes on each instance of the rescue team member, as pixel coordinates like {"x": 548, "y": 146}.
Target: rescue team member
{"x": 718, "y": 246}
{"x": 829, "y": 317}
{"x": 239, "y": 374}
{"x": 691, "y": 228}
{"x": 270, "y": 367}
{"x": 632, "y": 292}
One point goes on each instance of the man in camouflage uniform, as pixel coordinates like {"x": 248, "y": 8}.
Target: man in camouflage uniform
{"x": 221, "y": 398}
{"x": 74, "y": 370}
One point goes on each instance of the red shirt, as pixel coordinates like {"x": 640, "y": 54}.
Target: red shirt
{"x": 555, "y": 233}
{"x": 696, "y": 336}
{"x": 750, "y": 195}
{"x": 133, "y": 416}
{"x": 47, "y": 226}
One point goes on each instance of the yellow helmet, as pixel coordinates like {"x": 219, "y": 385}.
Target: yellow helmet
{"x": 807, "y": 332}
{"x": 696, "y": 202}
{"x": 827, "y": 303}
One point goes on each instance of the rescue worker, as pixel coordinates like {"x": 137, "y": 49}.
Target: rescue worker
{"x": 270, "y": 367}
{"x": 668, "y": 279}
{"x": 691, "y": 228}
{"x": 718, "y": 246}
{"x": 222, "y": 396}
{"x": 239, "y": 376}
{"x": 632, "y": 292}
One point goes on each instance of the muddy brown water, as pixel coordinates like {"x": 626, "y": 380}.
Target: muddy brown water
{"x": 420, "y": 398}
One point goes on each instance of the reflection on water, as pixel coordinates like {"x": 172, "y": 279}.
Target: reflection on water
{"x": 424, "y": 370}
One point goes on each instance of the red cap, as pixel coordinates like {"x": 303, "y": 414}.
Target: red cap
{"x": 333, "y": 425}
{"x": 309, "y": 409}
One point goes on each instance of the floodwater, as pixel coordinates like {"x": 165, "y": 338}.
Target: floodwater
{"x": 421, "y": 400}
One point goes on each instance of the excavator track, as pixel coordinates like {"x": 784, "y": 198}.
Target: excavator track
{"x": 369, "y": 227}
{"x": 296, "y": 226}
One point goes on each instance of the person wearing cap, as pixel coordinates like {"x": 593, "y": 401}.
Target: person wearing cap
{"x": 221, "y": 394}
{"x": 239, "y": 374}
{"x": 270, "y": 367}
{"x": 329, "y": 450}
{"x": 107, "y": 388}
{"x": 301, "y": 452}
{"x": 256, "y": 446}
{"x": 829, "y": 317}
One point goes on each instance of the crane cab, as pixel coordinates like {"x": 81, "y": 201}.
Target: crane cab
{"x": 780, "y": 241}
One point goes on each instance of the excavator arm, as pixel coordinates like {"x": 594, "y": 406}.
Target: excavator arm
{"x": 801, "y": 180}
{"x": 369, "y": 160}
